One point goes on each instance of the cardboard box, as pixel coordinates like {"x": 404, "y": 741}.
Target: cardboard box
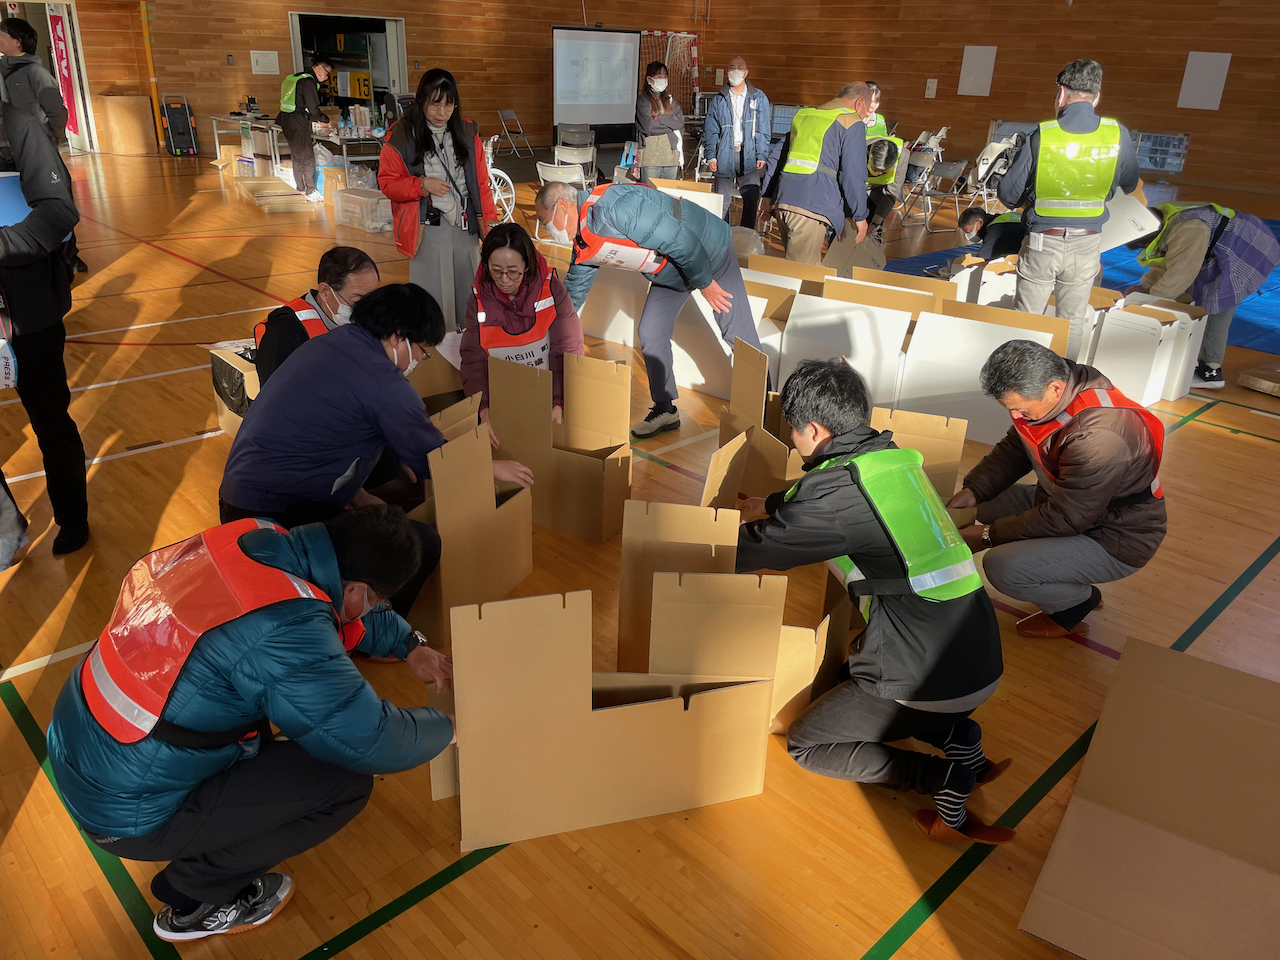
{"x": 486, "y": 543}
{"x": 1262, "y": 379}
{"x": 770, "y": 464}
{"x": 1168, "y": 849}
{"x": 809, "y": 275}
{"x": 870, "y": 335}
{"x": 329, "y": 180}
{"x": 665, "y": 538}
{"x": 1101, "y": 300}
{"x": 227, "y": 153}
{"x": 234, "y": 379}
{"x": 581, "y": 468}
{"x": 1134, "y": 350}
{"x": 624, "y": 746}
{"x": 1187, "y": 340}
{"x": 938, "y": 439}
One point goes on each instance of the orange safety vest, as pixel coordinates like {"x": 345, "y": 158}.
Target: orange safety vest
{"x": 168, "y": 600}
{"x": 597, "y": 251}
{"x": 1037, "y": 434}
{"x": 312, "y": 322}
{"x": 533, "y": 347}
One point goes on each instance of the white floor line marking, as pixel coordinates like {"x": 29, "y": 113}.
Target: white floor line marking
{"x": 161, "y": 323}
{"x": 19, "y": 669}
{"x": 1264, "y": 413}
{"x": 112, "y": 383}
{"x": 683, "y": 443}
{"x": 127, "y": 453}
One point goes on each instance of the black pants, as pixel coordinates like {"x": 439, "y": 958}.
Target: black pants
{"x": 302, "y": 152}
{"x": 237, "y": 825}
{"x": 402, "y": 600}
{"x": 845, "y": 734}
{"x": 42, "y": 386}
{"x": 881, "y": 201}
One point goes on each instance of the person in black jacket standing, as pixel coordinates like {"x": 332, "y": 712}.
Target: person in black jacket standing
{"x": 35, "y": 287}
{"x": 924, "y": 663}
{"x": 299, "y": 108}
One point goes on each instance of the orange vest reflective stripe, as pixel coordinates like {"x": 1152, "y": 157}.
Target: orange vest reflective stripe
{"x": 312, "y": 322}
{"x": 597, "y": 251}
{"x": 533, "y": 347}
{"x": 169, "y": 599}
{"x": 1037, "y": 434}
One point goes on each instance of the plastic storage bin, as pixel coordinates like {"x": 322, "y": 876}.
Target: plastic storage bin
{"x": 367, "y": 210}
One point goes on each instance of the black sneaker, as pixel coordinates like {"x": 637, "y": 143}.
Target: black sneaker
{"x": 70, "y": 538}
{"x": 657, "y": 421}
{"x": 1208, "y": 378}
{"x": 256, "y": 904}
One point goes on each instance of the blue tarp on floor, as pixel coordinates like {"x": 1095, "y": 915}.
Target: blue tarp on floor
{"x": 1256, "y": 324}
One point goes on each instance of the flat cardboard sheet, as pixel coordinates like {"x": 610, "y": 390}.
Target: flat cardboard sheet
{"x": 1057, "y": 328}
{"x": 692, "y": 191}
{"x": 1127, "y": 219}
{"x": 938, "y": 439}
{"x": 868, "y": 335}
{"x": 614, "y": 304}
{"x": 771, "y": 464}
{"x": 810, "y": 275}
{"x": 939, "y": 288}
{"x": 1155, "y": 861}
{"x": 701, "y": 360}
{"x": 665, "y": 538}
{"x": 535, "y": 757}
{"x": 581, "y": 469}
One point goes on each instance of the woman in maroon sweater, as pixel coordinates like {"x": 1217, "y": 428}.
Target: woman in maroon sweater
{"x": 519, "y": 311}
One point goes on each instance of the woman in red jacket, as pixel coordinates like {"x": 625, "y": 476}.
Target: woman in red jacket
{"x": 432, "y": 167}
{"x": 519, "y": 311}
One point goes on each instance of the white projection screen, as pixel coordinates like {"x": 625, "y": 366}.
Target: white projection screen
{"x": 597, "y": 75}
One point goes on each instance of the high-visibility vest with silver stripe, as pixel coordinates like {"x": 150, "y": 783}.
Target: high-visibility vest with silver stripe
{"x": 307, "y": 315}
{"x": 938, "y": 562}
{"x": 1075, "y": 171}
{"x": 533, "y": 347}
{"x": 169, "y": 599}
{"x": 891, "y": 172}
{"x": 808, "y": 130}
{"x": 1151, "y": 255}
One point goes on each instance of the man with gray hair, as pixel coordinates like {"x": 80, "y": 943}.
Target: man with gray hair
{"x": 1096, "y": 513}
{"x": 818, "y": 173}
{"x": 1064, "y": 174}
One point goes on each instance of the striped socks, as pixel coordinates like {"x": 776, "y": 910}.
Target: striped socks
{"x": 964, "y": 745}
{"x": 955, "y": 793}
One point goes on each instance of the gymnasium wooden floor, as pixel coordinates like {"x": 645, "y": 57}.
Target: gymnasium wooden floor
{"x": 812, "y": 868}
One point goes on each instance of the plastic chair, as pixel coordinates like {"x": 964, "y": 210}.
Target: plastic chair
{"x": 583, "y": 156}
{"x": 511, "y": 129}
{"x": 558, "y": 173}
{"x": 953, "y": 172}
{"x": 576, "y": 135}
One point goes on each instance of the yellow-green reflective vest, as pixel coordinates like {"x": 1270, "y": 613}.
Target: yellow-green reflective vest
{"x": 889, "y": 175}
{"x": 877, "y": 127}
{"x": 1148, "y": 256}
{"x": 289, "y": 92}
{"x": 939, "y": 563}
{"x": 1075, "y": 171}
{"x": 1012, "y": 216}
{"x": 808, "y": 129}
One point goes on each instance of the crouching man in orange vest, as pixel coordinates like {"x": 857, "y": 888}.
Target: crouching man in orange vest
{"x": 161, "y": 740}
{"x": 1096, "y": 513}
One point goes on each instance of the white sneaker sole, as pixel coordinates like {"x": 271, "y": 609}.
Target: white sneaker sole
{"x": 241, "y": 928}
{"x": 1213, "y": 385}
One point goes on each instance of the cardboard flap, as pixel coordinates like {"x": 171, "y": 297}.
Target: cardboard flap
{"x": 1190, "y": 309}
{"x": 458, "y": 419}
{"x": 940, "y": 440}
{"x": 724, "y": 474}
{"x": 597, "y": 396}
{"x": 1003, "y": 265}
{"x": 777, "y": 300}
{"x": 737, "y": 619}
{"x": 800, "y": 653}
{"x": 1164, "y": 316}
{"x": 1055, "y": 326}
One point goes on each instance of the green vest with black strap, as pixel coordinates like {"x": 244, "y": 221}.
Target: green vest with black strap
{"x": 877, "y": 128}
{"x": 938, "y": 562}
{"x": 1012, "y": 216}
{"x": 1148, "y": 256}
{"x": 1075, "y": 171}
{"x": 808, "y": 130}
{"x": 888, "y": 176}
{"x": 289, "y": 91}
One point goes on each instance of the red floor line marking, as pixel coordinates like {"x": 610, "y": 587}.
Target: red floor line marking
{"x": 194, "y": 263}
{"x": 1093, "y": 645}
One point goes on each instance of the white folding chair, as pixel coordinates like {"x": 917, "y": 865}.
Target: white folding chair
{"x": 511, "y": 129}
{"x": 583, "y": 156}
{"x": 558, "y": 173}
{"x": 939, "y": 172}
{"x": 576, "y": 135}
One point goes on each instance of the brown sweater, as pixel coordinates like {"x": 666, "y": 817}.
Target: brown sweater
{"x": 1103, "y": 454}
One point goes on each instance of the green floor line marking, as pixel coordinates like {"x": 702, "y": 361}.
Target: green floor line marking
{"x": 126, "y": 891}
{"x": 358, "y": 931}
{"x": 1190, "y": 416}
{"x": 1237, "y": 430}
{"x": 920, "y": 911}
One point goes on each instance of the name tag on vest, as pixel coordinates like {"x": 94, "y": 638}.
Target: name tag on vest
{"x": 624, "y": 257}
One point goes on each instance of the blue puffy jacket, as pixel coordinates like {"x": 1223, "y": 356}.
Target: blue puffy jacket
{"x": 285, "y": 662}
{"x": 717, "y": 131}
{"x": 694, "y": 245}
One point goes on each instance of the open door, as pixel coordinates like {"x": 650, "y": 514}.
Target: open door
{"x": 68, "y": 67}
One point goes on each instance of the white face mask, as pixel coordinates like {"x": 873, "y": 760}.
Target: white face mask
{"x": 559, "y": 235}
{"x": 412, "y": 362}
{"x": 368, "y": 608}
{"x": 736, "y": 77}
{"x": 342, "y": 311}
{"x": 658, "y": 83}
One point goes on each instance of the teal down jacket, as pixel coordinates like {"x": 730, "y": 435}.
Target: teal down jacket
{"x": 285, "y": 662}
{"x": 694, "y": 245}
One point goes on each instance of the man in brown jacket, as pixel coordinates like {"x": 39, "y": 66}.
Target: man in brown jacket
{"x": 1096, "y": 513}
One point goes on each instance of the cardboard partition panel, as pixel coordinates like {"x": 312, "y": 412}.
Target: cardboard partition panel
{"x": 771, "y": 465}
{"x": 665, "y": 538}
{"x": 938, "y": 439}
{"x": 800, "y": 655}
{"x": 1057, "y": 328}
{"x": 486, "y": 548}
{"x": 846, "y": 254}
{"x": 688, "y": 186}
{"x": 1134, "y": 351}
{"x": 939, "y": 288}
{"x": 435, "y": 375}
{"x": 701, "y": 360}
{"x": 691, "y": 191}
{"x": 1101, "y": 300}
{"x": 623, "y": 746}
{"x": 773, "y": 279}
{"x": 614, "y": 304}
{"x": 940, "y": 376}
{"x": 724, "y": 473}
{"x": 870, "y": 337}
{"x": 877, "y": 295}
{"x": 581, "y": 468}
{"x": 777, "y": 298}
{"x": 1127, "y": 219}
{"x": 810, "y": 275}
{"x": 999, "y": 283}
{"x": 1188, "y": 337}
{"x": 1168, "y": 849}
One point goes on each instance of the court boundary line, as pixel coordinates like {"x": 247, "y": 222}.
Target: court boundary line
{"x": 112, "y": 383}
{"x": 208, "y": 435}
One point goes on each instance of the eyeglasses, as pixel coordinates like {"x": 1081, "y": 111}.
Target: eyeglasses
{"x": 514, "y": 273}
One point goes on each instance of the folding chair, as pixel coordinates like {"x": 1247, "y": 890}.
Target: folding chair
{"x": 953, "y": 172}
{"x": 511, "y": 129}
{"x": 559, "y": 173}
{"x": 583, "y": 156}
{"x": 576, "y": 135}
{"x": 917, "y": 177}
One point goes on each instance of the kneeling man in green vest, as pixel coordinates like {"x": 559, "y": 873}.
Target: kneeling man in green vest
{"x": 1096, "y": 512}
{"x": 1064, "y": 173}
{"x": 930, "y": 654}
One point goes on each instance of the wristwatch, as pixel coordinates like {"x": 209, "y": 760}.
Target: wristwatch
{"x": 416, "y": 640}
{"x": 986, "y": 535}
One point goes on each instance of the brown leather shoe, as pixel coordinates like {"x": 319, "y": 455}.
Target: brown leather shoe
{"x": 994, "y": 770}
{"x": 975, "y": 830}
{"x": 1041, "y": 626}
